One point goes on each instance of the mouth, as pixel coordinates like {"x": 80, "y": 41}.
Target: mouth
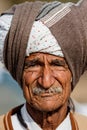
{"x": 47, "y": 92}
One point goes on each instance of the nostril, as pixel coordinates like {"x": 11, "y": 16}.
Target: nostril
{"x": 46, "y": 82}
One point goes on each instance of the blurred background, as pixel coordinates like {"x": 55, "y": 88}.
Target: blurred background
{"x": 4, "y": 4}
{"x": 10, "y": 92}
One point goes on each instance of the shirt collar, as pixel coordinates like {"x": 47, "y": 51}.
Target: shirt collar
{"x": 65, "y": 125}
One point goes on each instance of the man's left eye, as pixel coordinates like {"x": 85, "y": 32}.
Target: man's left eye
{"x": 57, "y": 65}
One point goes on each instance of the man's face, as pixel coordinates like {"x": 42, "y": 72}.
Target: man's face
{"x": 46, "y": 81}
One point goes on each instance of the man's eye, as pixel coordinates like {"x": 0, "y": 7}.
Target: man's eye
{"x": 31, "y": 65}
{"x": 57, "y": 65}
{"x": 63, "y": 66}
{"x": 60, "y": 67}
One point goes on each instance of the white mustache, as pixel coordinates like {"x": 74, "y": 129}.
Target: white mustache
{"x": 54, "y": 90}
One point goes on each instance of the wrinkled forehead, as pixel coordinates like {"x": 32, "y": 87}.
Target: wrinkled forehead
{"x": 42, "y": 55}
{"x": 45, "y": 58}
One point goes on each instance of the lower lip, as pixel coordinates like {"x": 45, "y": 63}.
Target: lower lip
{"x": 46, "y": 95}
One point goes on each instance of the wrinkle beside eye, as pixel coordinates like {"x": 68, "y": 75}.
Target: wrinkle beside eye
{"x": 59, "y": 63}
{"x": 33, "y": 63}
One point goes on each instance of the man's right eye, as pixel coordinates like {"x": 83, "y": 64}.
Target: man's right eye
{"x": 30, "y": 65}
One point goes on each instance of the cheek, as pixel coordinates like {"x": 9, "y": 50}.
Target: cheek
{"x": 67, "y": 84}
{"x": 30, "y": 77}
{"x": 29, "y": 80}
{"x": 26, "y": 90}
{"x": 64, "y": 77}
{"x": 65, "y": 80}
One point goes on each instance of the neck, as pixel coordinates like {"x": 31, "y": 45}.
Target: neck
{"x": 48, "y": 120}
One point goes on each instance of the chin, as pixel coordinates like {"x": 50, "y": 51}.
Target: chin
{"x": 47, "y": 107}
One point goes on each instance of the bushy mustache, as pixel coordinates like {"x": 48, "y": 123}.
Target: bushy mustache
{"x": 51, "y": 90}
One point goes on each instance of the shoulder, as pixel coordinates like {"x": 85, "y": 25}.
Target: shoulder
{"x": 5, "y": 120}
{"x": 81, "y": 120}
{"x": 2, "y": 127}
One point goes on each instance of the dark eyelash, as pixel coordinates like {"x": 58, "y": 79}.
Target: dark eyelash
{"x": 29, "y": 65}
{"x": 58, "y": 63}
{"x": 32, "y": 64}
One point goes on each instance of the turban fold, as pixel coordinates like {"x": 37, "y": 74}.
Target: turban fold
{"x": 42, "y": 40}
{"x": 68, "y": 24}
{"x": 17, "y": 37}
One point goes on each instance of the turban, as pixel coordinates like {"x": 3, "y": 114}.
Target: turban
{"x": 42, "y": 40}
{"x": 66, "y": 22}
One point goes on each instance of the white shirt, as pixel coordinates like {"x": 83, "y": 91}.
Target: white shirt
{"x": 32, "y": 125}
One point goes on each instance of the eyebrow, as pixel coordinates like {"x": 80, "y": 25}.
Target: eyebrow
{"x": 33, "y": 62}
{"x": 58, "y": 62}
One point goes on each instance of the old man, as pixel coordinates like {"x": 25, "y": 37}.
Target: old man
{"x": 45, "y": 52}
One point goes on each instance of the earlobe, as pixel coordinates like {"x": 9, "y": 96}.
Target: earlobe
{"x": 23, "y": 80}
{"x": 23, "y": 75}
{"x": 71, "y": 79}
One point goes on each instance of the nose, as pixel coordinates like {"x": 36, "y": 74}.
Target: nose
{"x": 46, "y": 79}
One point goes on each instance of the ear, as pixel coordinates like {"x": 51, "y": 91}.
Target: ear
{"x": 23, "y": 80}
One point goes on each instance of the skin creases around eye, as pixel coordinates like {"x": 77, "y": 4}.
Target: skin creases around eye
{"x": 32, "y": 68}
{"x": 33, "y": 63}
{"x": 59, "y": 65}
{"x": 60, "y": 68}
